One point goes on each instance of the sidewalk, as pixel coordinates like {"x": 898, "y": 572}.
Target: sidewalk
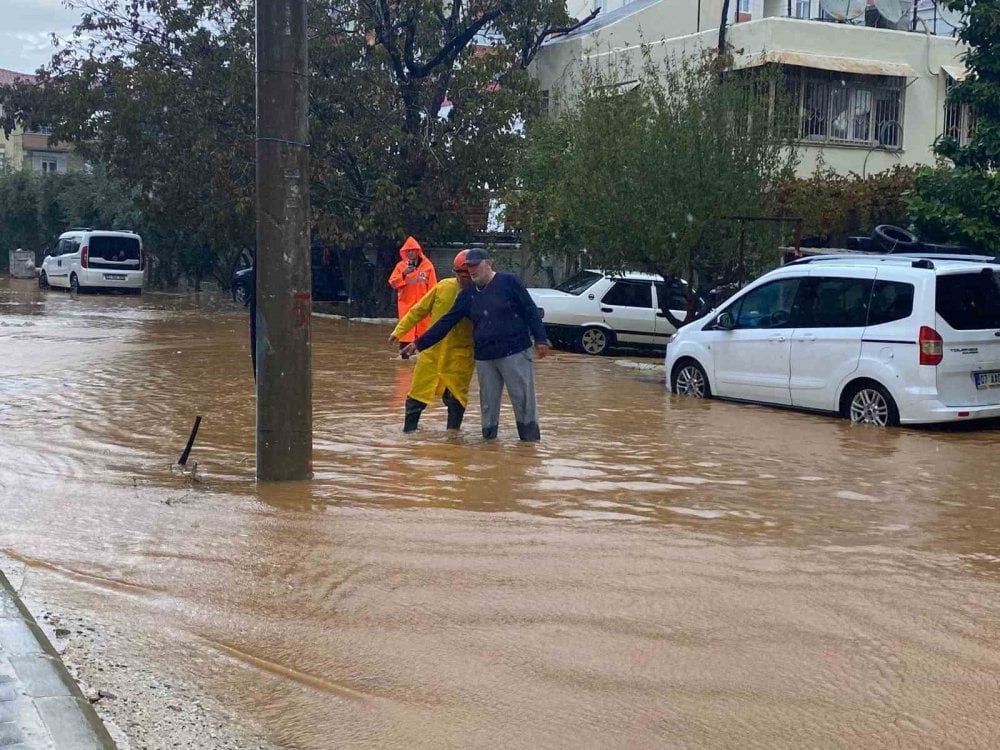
{"x": 41, "y": 707}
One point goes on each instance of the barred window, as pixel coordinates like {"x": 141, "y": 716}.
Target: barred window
{"x": 845, "y": 108}
{"x": 959, "y": 118}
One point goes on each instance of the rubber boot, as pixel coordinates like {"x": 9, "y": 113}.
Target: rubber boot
{"x": 456, "y": 412}
{"x": 529, "y": 432}
{"x": 490, "y": 433}
{"x": 411, "y": 413}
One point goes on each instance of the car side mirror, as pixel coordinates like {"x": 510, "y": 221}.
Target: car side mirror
{"x": 725, "y": 322}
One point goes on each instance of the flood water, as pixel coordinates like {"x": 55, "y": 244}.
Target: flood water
{"x": 657, "y": 572}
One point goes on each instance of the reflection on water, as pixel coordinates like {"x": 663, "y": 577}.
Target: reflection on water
{"x": 657, "y": 572}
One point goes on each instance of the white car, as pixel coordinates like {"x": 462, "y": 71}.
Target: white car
{"x": 84, "y": 259}
{"x": 882, "y": 340}
{"x": 593, "y": 311}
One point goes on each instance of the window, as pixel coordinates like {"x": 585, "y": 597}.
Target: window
{"x": 674, "y": 293}
{"x": 959, "y": 118}
{"x": 3, "y": 159}
{"x": 744, "y": 6}
{"x": 844, "y": 108}
{"x": 769, "y": 306}
{"x": 49, "y": 166}
{"x": 833, "y": 303}
{"x": 802, "y": 8}
{"x": 891, "y": 300}
{"x": 578, "y": 283}
{"x": 630, "y": 294}
{"x": 970, "y": 301}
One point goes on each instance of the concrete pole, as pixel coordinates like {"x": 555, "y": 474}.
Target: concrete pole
{"x": 283, "y": 268}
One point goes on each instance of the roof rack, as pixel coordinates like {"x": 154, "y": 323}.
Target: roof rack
{"x": 80, "y": 229}
{"x": 902, "y": 257}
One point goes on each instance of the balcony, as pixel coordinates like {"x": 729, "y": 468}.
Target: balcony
{"x": 40, "y": 142}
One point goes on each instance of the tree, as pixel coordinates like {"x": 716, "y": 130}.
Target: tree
{"x": 36, "y": 208}
{"x": 163, "y": 93}
{"x": 647, "y": 179}
{"x": 959, "y": 199}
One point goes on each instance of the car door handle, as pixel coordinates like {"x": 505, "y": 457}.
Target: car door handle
{"x": 607, "y": 309}
{"x": 779, "y": 338}
{"x": 808, "y": 337}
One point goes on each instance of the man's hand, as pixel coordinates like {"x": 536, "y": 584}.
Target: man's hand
{"x": 393, "y": 339}
{"x": 409, "y": 350}
{"x": 541, "y": 350}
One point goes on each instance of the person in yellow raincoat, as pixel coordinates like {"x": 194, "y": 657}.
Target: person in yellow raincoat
{"x": 444, "y": 369}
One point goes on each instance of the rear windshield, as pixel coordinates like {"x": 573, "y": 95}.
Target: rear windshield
{"x": 970, "y": 301}
{"x": 579, "y": 283}
{"x": 114, "y": 248}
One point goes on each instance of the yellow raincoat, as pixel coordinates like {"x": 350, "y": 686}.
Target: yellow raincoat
{"x": 449, "y": 363}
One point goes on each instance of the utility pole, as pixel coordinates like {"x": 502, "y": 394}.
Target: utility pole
{"x": 283, "y": 267}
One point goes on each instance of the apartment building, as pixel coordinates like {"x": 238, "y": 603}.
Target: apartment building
{"x": 870, "y": 94}
{"x": 33, "y": 150}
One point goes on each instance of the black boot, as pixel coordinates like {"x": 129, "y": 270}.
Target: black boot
{"x": 490, "y": 433}
{"x": 456, "y": 412}
{"x": 529, "y": 431}
{"x": 411, "y": 413}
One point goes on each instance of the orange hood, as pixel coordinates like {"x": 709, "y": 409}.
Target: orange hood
{"x": 410, "y": 244}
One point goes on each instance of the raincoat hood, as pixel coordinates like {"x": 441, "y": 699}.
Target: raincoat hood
{"x": 410, "y": 244}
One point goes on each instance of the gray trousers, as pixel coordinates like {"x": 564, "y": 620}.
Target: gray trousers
{"x": 517, "y": 372}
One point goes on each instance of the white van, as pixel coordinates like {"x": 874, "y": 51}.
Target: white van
{"x": 84, "y": 259}
{"x": 882, "y": 340}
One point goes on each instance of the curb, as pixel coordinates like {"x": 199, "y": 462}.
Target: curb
{"x": 41, "y": 706}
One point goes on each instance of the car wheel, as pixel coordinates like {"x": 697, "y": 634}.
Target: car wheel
{"x": 241, "y": 295}
{"x": 594, "y": 341}
{"x": 690, "y": 380}
{"x": 870, "y": 403}
{"x": 74, "y": 283}
{"x": 43, "y": 280}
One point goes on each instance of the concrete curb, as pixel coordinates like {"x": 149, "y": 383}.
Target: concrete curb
{"x": 41, "y": 706}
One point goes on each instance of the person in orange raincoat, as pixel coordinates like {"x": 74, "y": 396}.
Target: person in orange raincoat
{"x": 412, "y": 278}
{"x": 444, "y": 369}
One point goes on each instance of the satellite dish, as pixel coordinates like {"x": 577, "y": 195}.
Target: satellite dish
{"x": 951, "y": 17}
{"x": 843, "y": 10}
{"x": 893, "y": 11}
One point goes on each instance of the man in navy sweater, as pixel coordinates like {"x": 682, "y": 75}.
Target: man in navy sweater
{"x": 504, "y": 322}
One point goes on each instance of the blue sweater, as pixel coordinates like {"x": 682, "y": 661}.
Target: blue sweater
{"x": 504, "y": 318}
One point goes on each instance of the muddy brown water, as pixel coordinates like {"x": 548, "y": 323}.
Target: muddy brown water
{"x": 658, "y": 572}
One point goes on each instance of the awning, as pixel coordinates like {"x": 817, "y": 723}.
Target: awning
{"x": 955, "y": 72}
{"x": 827, "y": 62}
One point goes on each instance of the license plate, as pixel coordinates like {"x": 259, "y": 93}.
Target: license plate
{"x": 115, "y": 276}
{"x": 989, "y": 379}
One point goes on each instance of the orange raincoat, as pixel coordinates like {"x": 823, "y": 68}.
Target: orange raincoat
{"x": 449, "y": 363}
{"x": 410, "y": 287}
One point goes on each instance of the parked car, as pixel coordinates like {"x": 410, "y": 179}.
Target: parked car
{"x": 85, "y": 259}
{"x": 881, "y": 340}
{"x": 327, "y": 278}
{"x": 594, "y": 311}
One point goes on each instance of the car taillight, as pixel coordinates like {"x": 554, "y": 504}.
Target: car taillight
{"x": 84, "y": 257}
{"x": 931, "y": 346}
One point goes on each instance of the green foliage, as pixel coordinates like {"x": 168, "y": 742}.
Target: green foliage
{"x": 646, "y": 180}
{"x": 36, "y": 208}
{"x": 957, "y": 204}
{"x": 961, "y": 203}
{"x": 163, "y": 93}
{"x": 833, "y": 205}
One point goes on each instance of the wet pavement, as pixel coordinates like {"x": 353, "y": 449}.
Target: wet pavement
{"x": 657, "y": 572}
{"x": 41, "y": 706}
